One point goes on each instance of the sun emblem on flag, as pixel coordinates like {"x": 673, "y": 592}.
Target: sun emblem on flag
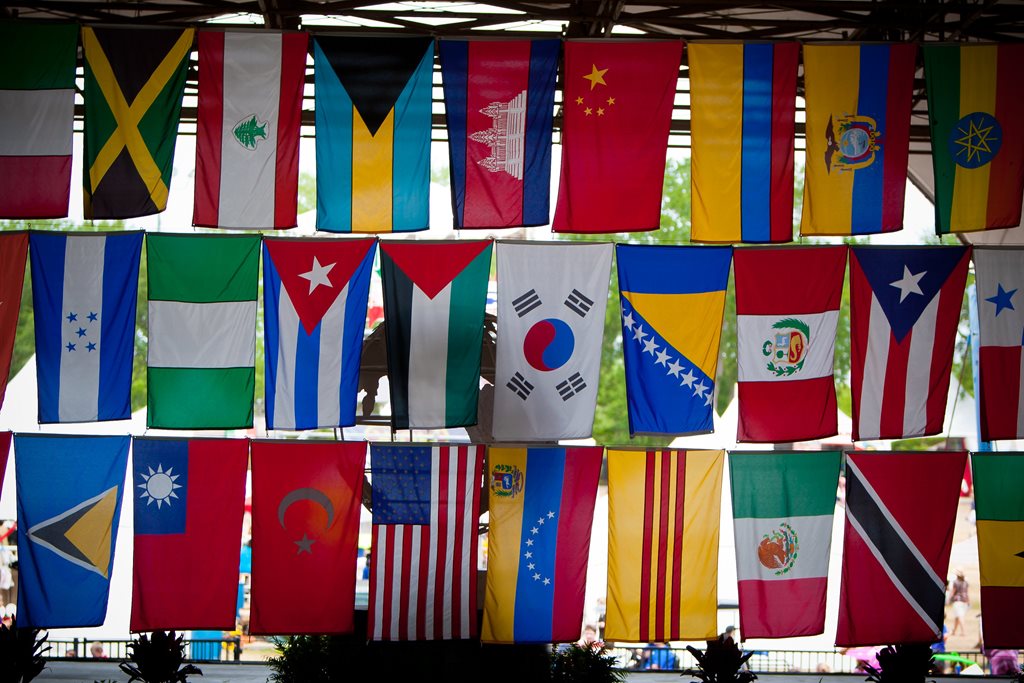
{"x": 159, "y": 486}
{"x": 786, "y": 349}
{"x": 975, "y": 140}
{"x": 851, "y": 142}
{"x": 779, "y": 549}
{"x": 249, "y": 131}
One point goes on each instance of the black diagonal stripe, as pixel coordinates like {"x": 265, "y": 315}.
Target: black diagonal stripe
{"x": 55, "y": 533}
{"x": 895, "y": 553}
{"x": 1021, "y": 554}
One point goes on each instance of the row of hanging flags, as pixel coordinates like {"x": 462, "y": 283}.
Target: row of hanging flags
{"x": 373, "y": 128}
{"x": 905, "y": 305}
{"x": 663, "y": 537}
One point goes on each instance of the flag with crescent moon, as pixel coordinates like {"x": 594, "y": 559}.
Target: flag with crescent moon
{"x": 305, "y": 526}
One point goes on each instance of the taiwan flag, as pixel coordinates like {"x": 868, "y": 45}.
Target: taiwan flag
{"x": 189, "y": 498}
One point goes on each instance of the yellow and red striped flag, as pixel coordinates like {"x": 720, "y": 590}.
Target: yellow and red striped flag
{"x": 663, "y": 520}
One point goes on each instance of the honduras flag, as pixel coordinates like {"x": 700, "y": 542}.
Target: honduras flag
{"x": 314, "y": 302}
{"x": 84, "y": 291}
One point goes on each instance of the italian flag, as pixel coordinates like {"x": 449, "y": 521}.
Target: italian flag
{"x": 434, "y": 297}
{"x": 202, "y": 330}
{"x": 782, "y": 514}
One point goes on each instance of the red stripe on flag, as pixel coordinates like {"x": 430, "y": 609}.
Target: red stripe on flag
{"x": 946, "y": 321}
{"x": 424, "y": 581}
{"x": 787, "y": 411}
{"x": 402, "y": 630}
{"x": 784, "y": 69}
{"x": 210, "y": 116}
{"x": 894, "y": 395}
{"x": 897, "y": 134}
{"x": 458, "y": 627}
{"x": 289, "y": 113}
{"x": 789, "y": 280}
{"x": 766, "y": 608}
{"x": 35, "y": 186}
{"x": 389, "y": 582}
{"x": 1000, "y": 391}
{"x": 663, "y": 541}
{"x": 441, "y": 570}
{"x": 860, "y": 325}
{"x": 1002, "y": 606}
{"x": 677, "y": 557}
{"x": 645, "y": 560}
{"x": 1006, "y": 171}
{"x": 376, "y": 599}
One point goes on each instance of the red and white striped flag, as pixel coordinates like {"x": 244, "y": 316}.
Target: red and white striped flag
{"x": 247, "y": 138}
{"x": 1000, "y": 282}
{"x": 426, "y": 502}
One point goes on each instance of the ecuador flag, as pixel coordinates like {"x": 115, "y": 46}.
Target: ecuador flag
{"x": 976, "y": 109}
{"x": 663, "y": 506}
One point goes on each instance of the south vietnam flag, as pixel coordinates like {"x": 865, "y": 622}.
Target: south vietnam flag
{"x": 998, "y": 482}
{"x": 976, "y": 112}
{"x": 663, "y": 521}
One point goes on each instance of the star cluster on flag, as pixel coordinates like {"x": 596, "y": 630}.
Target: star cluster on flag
{"x": 529, "y": 561}
{"x": 77, "y": 330}
{"x": 402, "y": 489}
{"x": 602, "y": 104}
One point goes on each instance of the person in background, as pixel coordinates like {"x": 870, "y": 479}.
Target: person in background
{"x": 728, "y": 636}
{"x": 96, "y": 651}
{"x": 960, "y": 600}
{"x": 1002, "y": 662}
{"x": 589, "y": 638}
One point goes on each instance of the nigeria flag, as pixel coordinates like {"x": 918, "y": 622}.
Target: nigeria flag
{"x": 202, "y": 330}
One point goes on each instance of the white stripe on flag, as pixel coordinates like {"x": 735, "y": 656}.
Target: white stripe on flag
{"x": 468, "y": 534}
{"x": 813, "y": 537}
{"x": 83, "y": 295}
{"x": 287, "y": 343}
{"x": 876, "y": 359}
{"x": 252, "y": 87}
{"x": 428, "y": 358}
{"x": 380, "y": 545}
{"x": 332, "y": 341}
{"x": 449, "y": 555}
{"x": 919, "y": 370}
{"x": 415, "y": 548}
{"x": 428, "y": 599}
{"x": 397, "y": 560}
{"x": 214, "y": 335}
{"x": 36, "y": 122}
{"x": 753, "y": 331}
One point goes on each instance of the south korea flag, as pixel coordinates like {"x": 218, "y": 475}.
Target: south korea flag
{"x": 551, "y": 305}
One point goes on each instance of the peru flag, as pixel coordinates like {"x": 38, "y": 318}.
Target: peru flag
{"x": 904, "y": 311}
{"x": 247, "y": 137}
{"x": 1000, "y": 282}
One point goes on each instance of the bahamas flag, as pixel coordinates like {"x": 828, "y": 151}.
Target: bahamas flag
{"x": 673, "y": 300}
{"x": 541, "y": 511}
{"x": 858, "y": 137}
{"x": 373, "y": 133}
{"x": 743, "y": 98}
{"x": 976, "y": 112}
{"x": 69, "y": 502}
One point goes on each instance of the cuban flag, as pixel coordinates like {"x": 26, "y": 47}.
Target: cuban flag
{"x": 84, "y": 289}
{"x": 314, "y": 302}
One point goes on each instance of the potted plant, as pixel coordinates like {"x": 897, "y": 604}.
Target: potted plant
{"x": 909, "y": 663}
{"x": 577, "y": 664}
{"x": 21, "y": 651}
{"x": 158, "y": 659}
{"x": 721, "y": 662}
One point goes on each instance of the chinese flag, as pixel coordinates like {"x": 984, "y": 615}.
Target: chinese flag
{"x": 618, "y": 108}
{"x": 305, "y": 526}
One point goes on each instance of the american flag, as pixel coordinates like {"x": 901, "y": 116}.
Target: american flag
{"x": 426, "y": 501}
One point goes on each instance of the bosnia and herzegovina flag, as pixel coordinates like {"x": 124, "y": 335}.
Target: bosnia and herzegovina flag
{"x": 673, "y": 300}
{"x": 743, "y": 119}
{"x": 499, "y": 104}
{"x": 975, "y": 109}
{"x": 541, "y": 512}
{"x": 373, "y": 133}
{"x": 858, "y": 137}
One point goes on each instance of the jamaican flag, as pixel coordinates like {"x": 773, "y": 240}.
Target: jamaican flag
{"x": 134, "y": 80}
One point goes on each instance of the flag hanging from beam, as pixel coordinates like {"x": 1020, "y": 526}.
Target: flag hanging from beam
{"x": 13, "y": 250}
{"x": 999, "y": 277}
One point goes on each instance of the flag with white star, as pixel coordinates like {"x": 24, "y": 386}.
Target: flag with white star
{"x": 1000, "y": 289}
{"x": 84, "y": 289}
{"x": 672, "y": 301}
{"x": 904, "y": 312}
{"x": 314, "y": 303}
{"x": 541, "y": 504}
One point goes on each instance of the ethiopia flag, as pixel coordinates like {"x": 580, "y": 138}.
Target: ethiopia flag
{"x": 976, "y": 112}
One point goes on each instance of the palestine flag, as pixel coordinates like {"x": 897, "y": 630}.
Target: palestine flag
{"x": 782, "y": 509}
{"x": 434, "y": 296}
{"x": 998, "y": 482}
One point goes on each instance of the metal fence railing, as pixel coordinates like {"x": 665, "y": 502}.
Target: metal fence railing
{"x": 197, "y": 650}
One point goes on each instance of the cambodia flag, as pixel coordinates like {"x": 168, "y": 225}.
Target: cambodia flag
{"x": 189, "y": 498}
{"x": 499, "y": 99}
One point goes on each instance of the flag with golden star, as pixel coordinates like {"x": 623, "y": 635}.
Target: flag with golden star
{"x": 618, "y": 109}
{"x": 975, "y": 110}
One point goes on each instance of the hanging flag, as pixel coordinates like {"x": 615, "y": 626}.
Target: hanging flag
{"x": 69, "y": 502}
{"x": 787, "y": 308}
{"x": 672, "y": 301}
{"x": 975, "y": 109}
{"x": 858, "y": 137}
{"x": 551, "y": 312}
{"x": 5, "y": 447}
{"x": 305, "y": 525}
{"x": 999, "y": 275}
{"x": 896, "y": 545}
{"x": 202, "y": 330}
{"x": 743, "y": 124}
{"x": 434, "y": 296}
{"x": 904, "y": 313}
{"x": 541, "y": 513}
{"x": 617, "y": 114}
{"x": 37, "y": 113}
{"x": 84, "y": 290}
{"x": 373, "y": 99}
{"x": 13, "y": 250}
{"x": 998, "y": 482}
{"x": 314, "y": 308}
{"x": 247, "y": 128}
{"x": 782, "y": 507}
{"x": 663, "y": 506}
{"x": 499, "y": 101}
{"x": 134, "y": 82}
{"x": 189, "y": 499}
{"x": 426, "y": 501}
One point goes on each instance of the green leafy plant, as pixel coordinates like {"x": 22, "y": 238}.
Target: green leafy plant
{"x": 909, "y": 663}
{"x": 721, "y": 662}
{"x": 316, "y": 659}
{"x": 158, "y": 659}
{"x": 21, "y": 651}
{"x": 577, "y": 664}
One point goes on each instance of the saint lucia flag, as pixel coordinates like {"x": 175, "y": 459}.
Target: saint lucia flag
{"x": 84, "y": 288}
{"x": 673, "y": 300}
{"x": 69, "y": 502}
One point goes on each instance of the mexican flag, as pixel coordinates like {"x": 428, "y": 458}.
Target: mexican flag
{"x": 434, "y": 297}
{"x": 202, "y": 330}
{"x": 782, "y": 514}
